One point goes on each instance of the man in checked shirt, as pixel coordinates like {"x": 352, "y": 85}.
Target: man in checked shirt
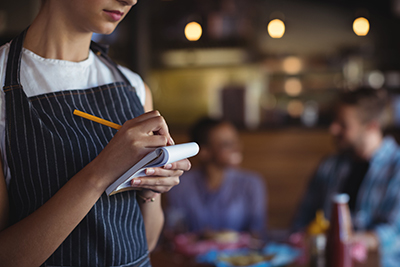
{"x": 367, "y": 168}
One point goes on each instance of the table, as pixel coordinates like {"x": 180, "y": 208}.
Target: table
{"x": 168, "y": 258}
{"x": 164, "y": 257}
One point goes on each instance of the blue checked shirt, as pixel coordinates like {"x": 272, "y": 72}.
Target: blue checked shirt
{"x": 377, "y": 206}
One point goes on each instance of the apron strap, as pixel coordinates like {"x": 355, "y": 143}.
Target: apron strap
{"x": 14, "y": 61}
{"x": 102, "y": 50}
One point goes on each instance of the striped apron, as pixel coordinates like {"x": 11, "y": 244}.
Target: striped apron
{"x": 46, "y": 145}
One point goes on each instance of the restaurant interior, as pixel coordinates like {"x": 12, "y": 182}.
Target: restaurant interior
{"x": 271, "y": 67}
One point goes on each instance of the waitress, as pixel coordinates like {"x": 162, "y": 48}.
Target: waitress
{"x": 55, "y": 166}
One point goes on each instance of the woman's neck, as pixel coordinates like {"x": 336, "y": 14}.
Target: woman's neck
{"x": 214, "y": 176}
{"x": 51, "y": 37}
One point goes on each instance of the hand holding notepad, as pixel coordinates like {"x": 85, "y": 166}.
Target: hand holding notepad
{"x": 158, "y": 158}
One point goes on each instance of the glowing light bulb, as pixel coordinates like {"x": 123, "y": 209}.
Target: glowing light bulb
{"x": 293, "y": 86}
{"x": 376, "y": 79}
{"x": 295, "y": 108}
{"x": 193, "y": 31}
{"x": 361, "y": 26}
{"x": 276, "y": 28}
{"x": 292, "y": 65}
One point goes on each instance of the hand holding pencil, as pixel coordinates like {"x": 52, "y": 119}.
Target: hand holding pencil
{"x": 108, "y": 123}
{"x": 134, "y": 140}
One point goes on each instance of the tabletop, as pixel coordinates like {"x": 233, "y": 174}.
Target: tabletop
{"x": 164, "y": 257}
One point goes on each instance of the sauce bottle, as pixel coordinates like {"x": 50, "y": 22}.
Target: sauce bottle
{"x": 339, "y": 234}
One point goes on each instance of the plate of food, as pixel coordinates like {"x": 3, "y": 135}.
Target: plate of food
{"x": 273, "y": 254}
{"x": 194, "y": 244}
{"x": 244, "y": 258}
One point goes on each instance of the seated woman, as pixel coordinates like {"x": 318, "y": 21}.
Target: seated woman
{"x": 218, "y": 196}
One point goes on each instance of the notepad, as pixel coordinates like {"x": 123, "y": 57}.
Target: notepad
{"x": 158, "y": 158}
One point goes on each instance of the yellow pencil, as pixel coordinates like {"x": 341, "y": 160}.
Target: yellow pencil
{"x": 97, "y": 119}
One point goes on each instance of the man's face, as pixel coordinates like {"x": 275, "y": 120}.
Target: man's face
{"x": 348, "y": 130}
{"x": 224, "y": 146}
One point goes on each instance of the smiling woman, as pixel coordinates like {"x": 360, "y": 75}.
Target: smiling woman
{"x": 55, "y": 166}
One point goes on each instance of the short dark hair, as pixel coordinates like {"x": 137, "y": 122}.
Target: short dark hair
{"x": 371, "y": 103}
{"x": 200, "y": 130}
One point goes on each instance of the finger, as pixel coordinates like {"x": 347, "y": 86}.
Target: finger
{"x": 155, "y": 183}
{"x": 162, "y": 130}
{"x": 147, "y": 127}
{"x": 183, "y": 165}
{"x": 156, "y": 125}
{"x": 161, "y": 172}
{"x": 151, "y": 120}
{"x": 147, "y": 115}
{"x": 155, "y": 141}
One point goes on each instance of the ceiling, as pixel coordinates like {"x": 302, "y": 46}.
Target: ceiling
{"x": 313, "y": 27}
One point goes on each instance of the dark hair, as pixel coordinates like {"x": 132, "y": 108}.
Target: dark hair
{"x": 371, "y": 103}
{"x": 200, "y": 131}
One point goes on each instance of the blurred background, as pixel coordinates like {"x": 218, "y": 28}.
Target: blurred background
{"x": 273, "y": 68}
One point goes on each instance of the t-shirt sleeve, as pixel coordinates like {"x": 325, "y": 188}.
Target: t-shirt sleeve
{"x": 136, "y": 81}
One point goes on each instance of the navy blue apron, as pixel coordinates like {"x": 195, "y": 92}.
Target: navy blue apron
{"x": 46, "y": 145}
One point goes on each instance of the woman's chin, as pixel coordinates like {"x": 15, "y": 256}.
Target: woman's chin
{"x": 235, "y": 159}
{"x": 106, "y": 30}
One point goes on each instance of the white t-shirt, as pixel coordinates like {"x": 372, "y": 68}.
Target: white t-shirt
{"x": 41, "y": 75}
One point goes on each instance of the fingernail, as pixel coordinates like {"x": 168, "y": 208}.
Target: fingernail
{"x": 136, "y": 182}
{"x": 150, "y": 171}
{"x": 168, "y": 166}
{"x": 171, "y": 141}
